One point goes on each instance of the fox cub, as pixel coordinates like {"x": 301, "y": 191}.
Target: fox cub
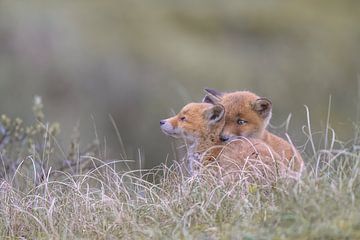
{"x": 200, "y": 125}
{"x": 248, "y": 115}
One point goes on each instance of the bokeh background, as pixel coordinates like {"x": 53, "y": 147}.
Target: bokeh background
{"x": 141, "y": 60}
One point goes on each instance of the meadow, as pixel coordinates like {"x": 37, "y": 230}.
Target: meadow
{"x": 76, "y": 173}
{"x": 47, "y": 193}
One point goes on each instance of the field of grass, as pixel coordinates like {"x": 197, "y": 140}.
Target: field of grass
{"x": 46, "y": 193}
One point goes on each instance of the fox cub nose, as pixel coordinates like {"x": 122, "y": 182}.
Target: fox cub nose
{"x": 224, "y": 138}
{"x": 162, "y": 122}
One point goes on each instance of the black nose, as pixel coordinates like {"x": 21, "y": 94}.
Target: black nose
{"x": 224, "y": 138}
{"x": 162, "y": 122}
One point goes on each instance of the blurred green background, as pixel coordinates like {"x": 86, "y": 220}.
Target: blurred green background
{"x": 141, "y": 60}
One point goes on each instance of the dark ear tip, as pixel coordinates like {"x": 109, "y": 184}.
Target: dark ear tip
{"x": 213, "y": 92}
{"x": 208, "y": 90}
{"x": 263, "y": 106}
{"x": 264, "y": 100}
{"x": 264, "y": 103}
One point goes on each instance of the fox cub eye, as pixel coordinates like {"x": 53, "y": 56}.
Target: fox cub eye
{"x": 241, "y": 122}
{"x": 182, "y": 118}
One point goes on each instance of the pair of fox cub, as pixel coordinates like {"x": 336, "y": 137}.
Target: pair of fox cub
{"x": 227, "y": 131}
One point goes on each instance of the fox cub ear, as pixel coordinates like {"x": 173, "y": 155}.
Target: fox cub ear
{"x": 213, "y": 92}
{"x": 215, "y": 113}
{"x": 210, "y": 99}
{"x": 212, "y": 96}
{"x": 263, "y": 106}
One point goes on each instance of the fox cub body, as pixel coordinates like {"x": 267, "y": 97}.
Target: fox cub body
{"x": 200, "y": 125}
{"x": 248, "y": 115}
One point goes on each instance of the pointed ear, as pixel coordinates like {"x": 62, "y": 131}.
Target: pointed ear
{"x": 214, "y": 113}
{"x": 263, "y": 107}
{"x": 212, "y": 96}
{"x": 213, "y": 92}
{"x": 210, "y": 99}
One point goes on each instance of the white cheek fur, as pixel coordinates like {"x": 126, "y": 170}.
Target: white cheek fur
{"x": 176, "y": 132}
{"x": 168, "y": 129}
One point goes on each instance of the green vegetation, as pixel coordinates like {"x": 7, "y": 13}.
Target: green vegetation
{"x": 47, "y": 194}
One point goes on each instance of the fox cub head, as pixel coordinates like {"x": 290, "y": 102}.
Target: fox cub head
{"x": 196, "y": 121}
{"x": 246, "y": 115}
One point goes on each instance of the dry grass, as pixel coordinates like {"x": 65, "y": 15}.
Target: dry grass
{"x": 104, "y": 201}
{"x": 107, "y": 204}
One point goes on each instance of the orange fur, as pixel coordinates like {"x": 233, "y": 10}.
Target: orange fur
{"x": 243, "y": 105}
{"x": 201, "y": 124}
